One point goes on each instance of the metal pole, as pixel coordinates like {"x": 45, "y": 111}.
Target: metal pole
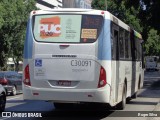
{"x": 106, "y": 4}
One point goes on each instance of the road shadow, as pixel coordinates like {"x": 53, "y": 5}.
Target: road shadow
{"x": 77, "y": 112}
{"x": 142, "y": 103}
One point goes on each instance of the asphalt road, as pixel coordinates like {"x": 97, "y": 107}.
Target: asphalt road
{"x": 135, "y": 110}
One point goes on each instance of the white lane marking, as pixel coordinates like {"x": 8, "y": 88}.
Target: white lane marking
{"x": 13, "y": 98}
{"x": 4, "y": 111}
{"x": 5, "y": 118}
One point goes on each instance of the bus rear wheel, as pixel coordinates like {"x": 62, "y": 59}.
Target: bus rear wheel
{"x": 134, "y": 96}
{"x": 58, "y": 105}
{"x": 122, "y": 104}
{"x": 63, "y": 105}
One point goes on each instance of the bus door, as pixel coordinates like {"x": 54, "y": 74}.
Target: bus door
{"x": 115, "y": 33}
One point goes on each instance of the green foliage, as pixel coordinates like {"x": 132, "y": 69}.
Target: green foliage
{"x": 152, "y": 13}
{"x": 141, "y": 15}
{"x": 13, "y": 20}
{"x": 125, "y": 10}
{"x": 152, "y": 44}
{"x": 150, "y": 20}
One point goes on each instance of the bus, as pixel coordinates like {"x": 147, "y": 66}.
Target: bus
{"x": 81, "y": 56}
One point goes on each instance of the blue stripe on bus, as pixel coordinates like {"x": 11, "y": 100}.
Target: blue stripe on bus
{"x": 28, "y": 44}
{"x": 104, "y": 42}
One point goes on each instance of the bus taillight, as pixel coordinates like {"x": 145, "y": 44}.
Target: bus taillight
{"x": 102, "y": 78}
{"x": 27, "y": 76}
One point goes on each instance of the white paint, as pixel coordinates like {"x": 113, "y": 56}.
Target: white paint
{"x": 13, "y": 98}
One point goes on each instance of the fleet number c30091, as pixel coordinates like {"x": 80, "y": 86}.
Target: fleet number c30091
{"x": 81, "y": 63}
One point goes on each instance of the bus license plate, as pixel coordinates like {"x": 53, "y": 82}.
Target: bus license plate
{"x": 63, "y": 83}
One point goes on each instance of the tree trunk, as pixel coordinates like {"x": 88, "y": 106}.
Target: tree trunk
{"x": 17, "y": 66}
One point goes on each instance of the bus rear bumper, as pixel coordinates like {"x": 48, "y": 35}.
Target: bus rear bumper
{"x": 62, "y": 95}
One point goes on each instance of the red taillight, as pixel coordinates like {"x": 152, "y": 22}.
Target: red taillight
{"x": 102, "y": 78}
{"x": 3, "y": 81}
{"x": 27, "y": 76}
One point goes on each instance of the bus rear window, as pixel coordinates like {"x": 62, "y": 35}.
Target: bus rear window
{"x": 67, "y": 28}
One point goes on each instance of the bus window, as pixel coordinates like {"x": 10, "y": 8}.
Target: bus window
{"x": 138, "y": 48}
{"x": 114, "y": 41}
{"x": 121, "y": 42}
{"x": 127, "y": 46}
{"x": 67, "y": 28}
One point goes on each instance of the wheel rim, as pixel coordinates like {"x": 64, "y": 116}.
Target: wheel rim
{"x": 14, "y": 90}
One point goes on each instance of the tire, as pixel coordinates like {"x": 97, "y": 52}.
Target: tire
{"x": 64, "y": 105}
{"x": 58, "y": 105}
{"x": 61, "y": 105}
{"x": 14, "y": 92}
{"x": 128, "y": 100}
{"x": 2, "y": 102}
{"x": 134, "y": 96}
{"x": 122, "y": 104}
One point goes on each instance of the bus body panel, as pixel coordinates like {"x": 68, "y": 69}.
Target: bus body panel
{"x": 64, "y": 63}
{"x": 76, "y": 63}
{"x": 70, "y": 72}
{"x": 68, "y": 95}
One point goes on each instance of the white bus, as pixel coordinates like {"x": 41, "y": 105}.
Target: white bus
{"x": 81, "y": 56}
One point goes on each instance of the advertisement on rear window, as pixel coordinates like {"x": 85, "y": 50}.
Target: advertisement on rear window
{"x": 91, "y": 28}
{"x": 57, "y": 28}
{"x": 67, "y": 28}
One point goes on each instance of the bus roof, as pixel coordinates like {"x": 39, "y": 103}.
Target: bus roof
{"x": 108, "y": 15}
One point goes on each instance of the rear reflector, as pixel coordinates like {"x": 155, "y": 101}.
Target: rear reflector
{"x": 34, "y": 12}
{"x": 27, "y": 76}
{"x": 102, "y": 12}
{"x": 35, "y": 93}
{"x": 102, "y": 78}
{"x": 64, "y": 45}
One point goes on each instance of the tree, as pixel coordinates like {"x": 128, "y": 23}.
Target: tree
{"x": 13, "y": 20}
{"x": 4, "y": 38}
{"x": 125, "y": 10}
{"x": 152, "y": 11}
{"x": 141, "y": 15}
{"x": 23, "y": 8}
{"x": 150, "y": 18}
{"x": 152, "y": 45}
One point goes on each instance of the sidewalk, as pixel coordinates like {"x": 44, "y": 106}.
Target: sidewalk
{"x": 157, "y": 109}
